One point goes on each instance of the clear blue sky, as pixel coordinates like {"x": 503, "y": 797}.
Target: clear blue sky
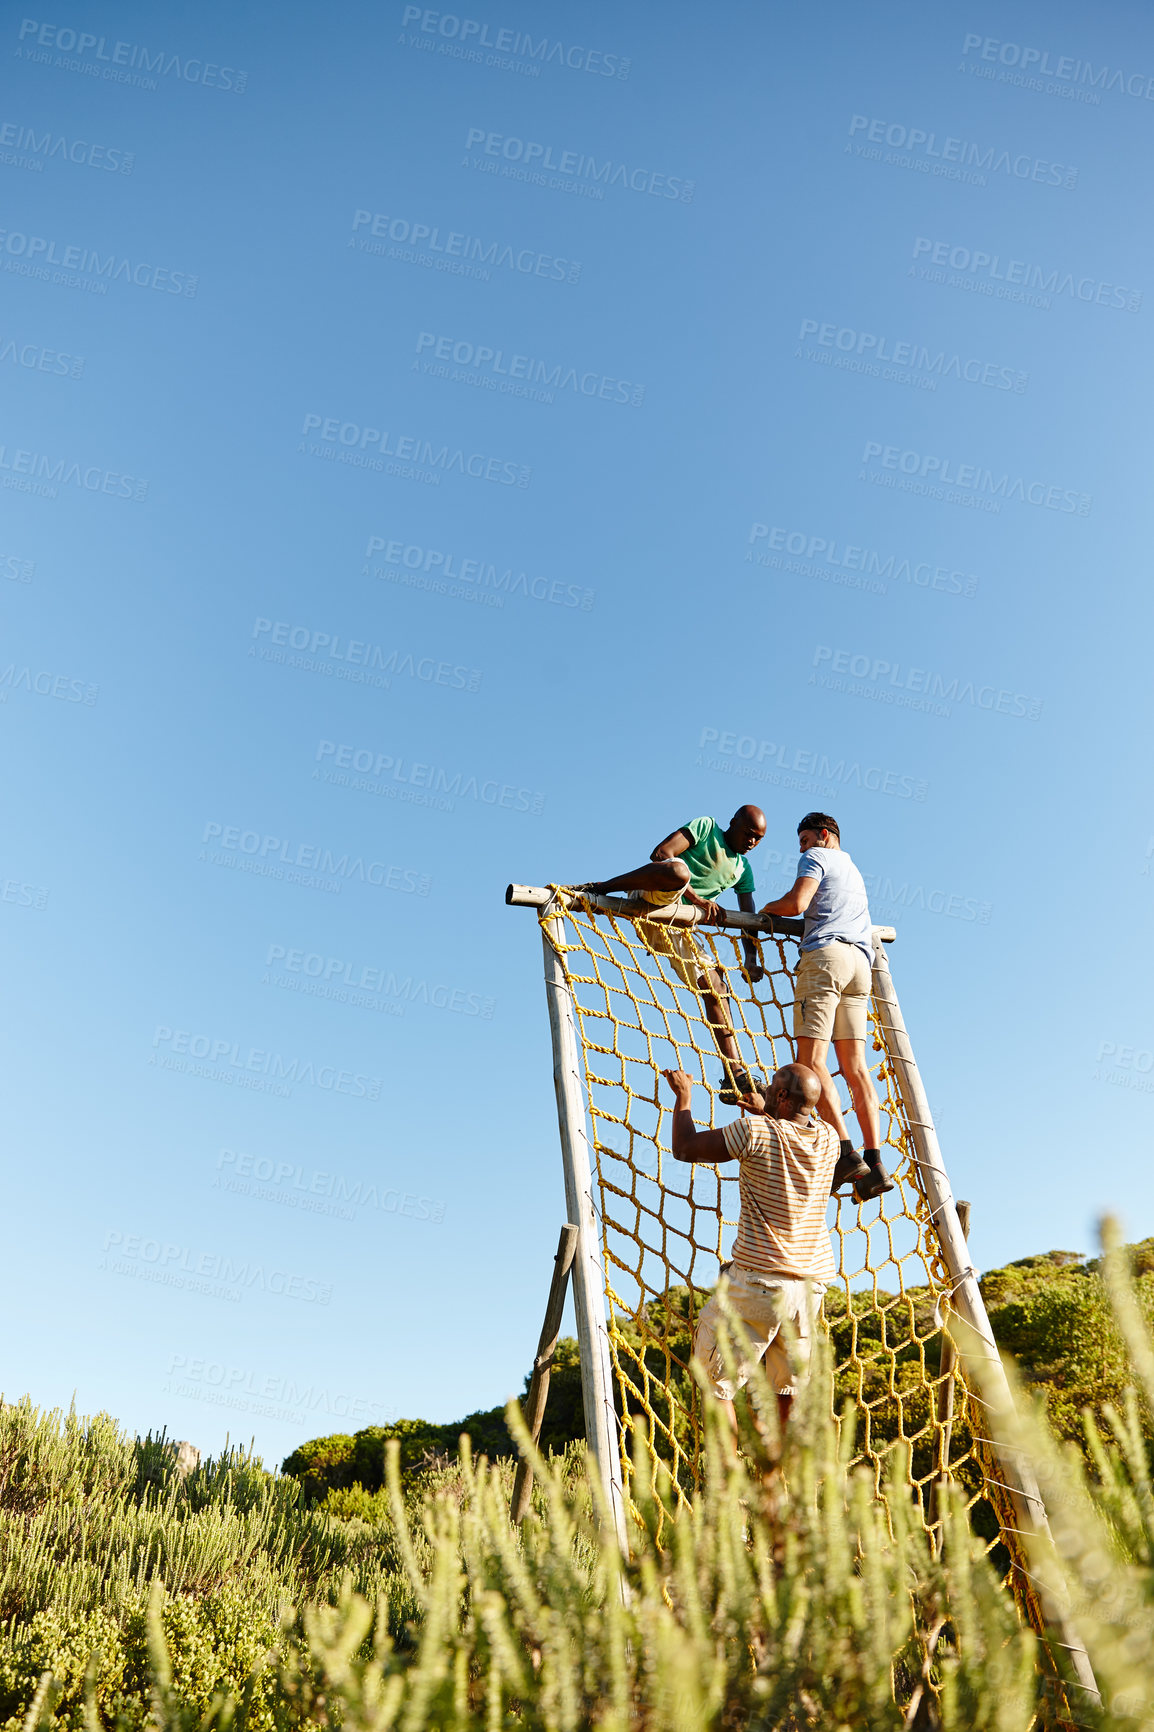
{"x": 855, "y": 276}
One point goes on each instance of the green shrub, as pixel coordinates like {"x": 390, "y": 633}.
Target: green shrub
{"x": 779, "y": 1601}
{"x": 1052, "y": 1313}
{"x": 356, "y": 1503}
{"x": 68, "y": 1648}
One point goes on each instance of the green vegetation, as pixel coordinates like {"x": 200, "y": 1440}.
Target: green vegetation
{"x": 217, "y": 1602}
{"x": 233, "y": 1600}
{"x": 347, "y": 1474}
{"x": 1051, "y": 1312}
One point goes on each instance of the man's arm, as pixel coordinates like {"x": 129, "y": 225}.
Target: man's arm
{"x": 748, "y": 905}
{"x": 690, "y": 1144}
{"x": 672, "y": 846}
{"x": 795, "y": 901}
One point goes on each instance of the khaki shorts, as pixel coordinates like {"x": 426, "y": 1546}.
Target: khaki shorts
{"x": 676, "y": 942}
{"x": 832, "y": 993}
{"x": 762, "y": 1303}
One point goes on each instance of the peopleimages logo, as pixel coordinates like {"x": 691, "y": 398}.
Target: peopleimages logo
{"x": 518, "y": 375}
{"x": 1037, "y": 61}
{"x": 414, "y": 458}
{"x": 45, "y": 684}
{"x": 845, "y": 562}
{"x": 23, "y": 895}
{"x": 973, "y": 479}
{"x": 1018, "y": 278}
{"x": 887, "y": 896}
{"x": 1126, "y": 1067}
{"x": 30, "y": 255}
{"x": 333, "y": 977}
{"x": 890, "y": 683}
{"x": 269, "y": 855}
{"x": 322, "y": 1193}
{"x": 459, "y": 254}
{"x": 49, "y": 145}
{"x": 443, "y": 787}
{"x": 473, "y": 34}
{"x": 229, "y": 1386}
{"x": 328, "y": 652}
{"x": 444, "y": 572}
{"x": 34, "y": 472}
{"x": 954, "y": 158}
{"x": 17, "y": 569}
{"x": 870, "y": 347}
{"x": 184, "y": 1266}
{"x": 575, "y": 166}
{"x": 38, "y": 359}
{"x": 115, "y": 62}
{"x": 255, "y": 1061}
{"x": 804, "y": 769}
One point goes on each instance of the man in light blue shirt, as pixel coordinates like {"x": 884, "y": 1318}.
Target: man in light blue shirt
{"x": 832, "y": 992}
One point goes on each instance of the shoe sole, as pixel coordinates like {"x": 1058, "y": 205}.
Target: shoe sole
{"x": 867, "y": 1196}
{"x": 730, "y": 1095}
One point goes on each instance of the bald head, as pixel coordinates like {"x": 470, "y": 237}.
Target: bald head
{"x": 793, "y": 1092}
{"x": 746, "y": 829}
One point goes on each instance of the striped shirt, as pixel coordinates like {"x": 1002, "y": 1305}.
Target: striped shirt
{"x": 785, "y": 1179}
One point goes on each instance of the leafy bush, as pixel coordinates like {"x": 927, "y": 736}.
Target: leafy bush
{"x": 1051, "y": 1312}
{"x": 781, "y": 1600}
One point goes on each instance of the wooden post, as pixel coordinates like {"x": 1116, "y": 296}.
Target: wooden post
{"x": 534, "y": 1410}
{"x": 944, "y": 1396}
{"x": 979, "y": 1354}
{"x": 539, "y": 896}
{"x": 588, "y": 1277}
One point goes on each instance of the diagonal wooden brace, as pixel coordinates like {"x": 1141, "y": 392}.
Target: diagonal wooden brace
{"x": 539, "y": 1381}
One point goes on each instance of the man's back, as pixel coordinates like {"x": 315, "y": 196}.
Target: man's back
{"x": 786, "y": 1171}
{"x": 840, "y": 908}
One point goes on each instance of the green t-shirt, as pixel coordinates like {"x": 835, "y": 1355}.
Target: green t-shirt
{"x": 713, "y": 867}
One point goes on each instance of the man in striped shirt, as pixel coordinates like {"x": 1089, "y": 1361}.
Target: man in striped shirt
{"x": 782, "y": 1257}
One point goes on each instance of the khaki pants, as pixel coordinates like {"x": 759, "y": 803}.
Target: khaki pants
{"x": 832, "y": 993}
{"x": 761, "y": 1304}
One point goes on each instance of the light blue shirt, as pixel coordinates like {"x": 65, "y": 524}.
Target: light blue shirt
{"x": 839, "y": 908}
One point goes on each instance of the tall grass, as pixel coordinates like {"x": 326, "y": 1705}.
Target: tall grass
{"x": 784, "y": 1600}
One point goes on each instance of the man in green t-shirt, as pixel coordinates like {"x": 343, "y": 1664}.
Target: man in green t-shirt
{"x": 696, "y": 864}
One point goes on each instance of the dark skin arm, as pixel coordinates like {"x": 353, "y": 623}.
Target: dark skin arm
{"x": 690, "y": 1144}
{"x": 747, "y": 902}
{"x": 672, "y": 846}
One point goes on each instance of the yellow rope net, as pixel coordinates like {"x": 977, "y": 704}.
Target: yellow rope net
{"x": 667, "y": 1226}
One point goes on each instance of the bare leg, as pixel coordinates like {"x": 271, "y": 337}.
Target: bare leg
{"x": 713, "y": 997}
{"x": 812, "y": 1052}
{"x": 852, "y": 1063}
{"x": 784, "y": 1404}
{"x": 716, "y": 1004}
{"x": 671, "y": 875}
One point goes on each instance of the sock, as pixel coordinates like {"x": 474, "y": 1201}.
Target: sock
{"x": 876, "y": 1153}
{"x": 846, "y": 1146}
